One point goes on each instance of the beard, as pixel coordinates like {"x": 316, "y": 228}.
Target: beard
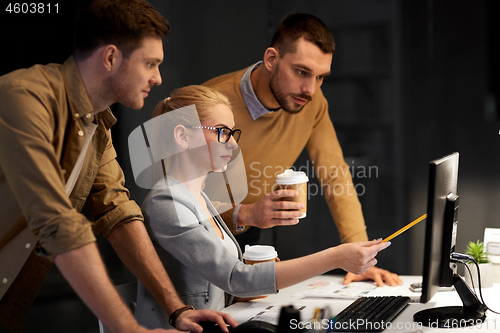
{"x": 121, "y": 87}
{"x": 285, "y": 100}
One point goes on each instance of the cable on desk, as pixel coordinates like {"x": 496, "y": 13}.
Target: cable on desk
{"x": 460, "y": 258}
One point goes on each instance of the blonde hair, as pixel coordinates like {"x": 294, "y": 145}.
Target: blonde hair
{"x": 203, "y": 98}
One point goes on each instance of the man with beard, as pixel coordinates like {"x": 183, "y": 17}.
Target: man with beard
{"x": 280, "y": 108}
{"x": 56, "y": 155}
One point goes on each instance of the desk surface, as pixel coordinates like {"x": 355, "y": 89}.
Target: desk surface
{"x": 403, "y": 323}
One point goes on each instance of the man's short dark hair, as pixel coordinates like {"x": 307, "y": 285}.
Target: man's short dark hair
{"x": 295, "y": 26}
{"x": 123, "y": 23}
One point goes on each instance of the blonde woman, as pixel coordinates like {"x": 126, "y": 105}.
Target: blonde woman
{"x": 197, "y": 249}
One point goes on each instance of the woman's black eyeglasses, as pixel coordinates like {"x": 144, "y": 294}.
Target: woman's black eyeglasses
{"x": 224, "y": 133}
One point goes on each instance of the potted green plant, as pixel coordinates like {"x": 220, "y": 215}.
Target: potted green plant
{"x": 477, "y": 251}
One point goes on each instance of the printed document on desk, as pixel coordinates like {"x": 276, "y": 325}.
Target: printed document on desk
{"x": 270, "y": 312}
{"x": 328, "y": 289}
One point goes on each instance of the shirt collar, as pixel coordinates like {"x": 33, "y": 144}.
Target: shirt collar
{"x": 78, "y": 99}
{"x": 254, "y": 106}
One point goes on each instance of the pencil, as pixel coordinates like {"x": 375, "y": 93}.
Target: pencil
{"x": 406, "y": 227}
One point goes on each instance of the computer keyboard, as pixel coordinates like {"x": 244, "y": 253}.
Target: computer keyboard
{"x": 369, "y": 314}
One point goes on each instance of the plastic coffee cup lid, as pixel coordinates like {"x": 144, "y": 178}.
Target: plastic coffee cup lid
{"x": 259, "y": 252}
{"x": 291, "y": 177}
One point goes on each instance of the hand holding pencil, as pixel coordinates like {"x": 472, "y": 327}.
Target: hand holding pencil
{"x": 382, "y": 276}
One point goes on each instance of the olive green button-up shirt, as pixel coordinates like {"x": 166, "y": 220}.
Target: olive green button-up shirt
{"x": 44, "y": 114}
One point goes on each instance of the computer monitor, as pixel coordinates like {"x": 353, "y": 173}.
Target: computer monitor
{"x": 440, "y": 269}
{"x": 441, "y": 227}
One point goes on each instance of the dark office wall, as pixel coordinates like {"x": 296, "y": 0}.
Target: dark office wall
{"x": 448, "y": 107}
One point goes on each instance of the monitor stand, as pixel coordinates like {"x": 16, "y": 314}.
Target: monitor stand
{"x": 473, "y": 312}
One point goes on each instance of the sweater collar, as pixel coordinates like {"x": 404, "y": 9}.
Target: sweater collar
{"x": 255, "y": 107}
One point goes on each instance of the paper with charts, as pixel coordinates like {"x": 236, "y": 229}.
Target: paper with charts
{"x": 269, "y": 312}
{"x": 323, "y": 289}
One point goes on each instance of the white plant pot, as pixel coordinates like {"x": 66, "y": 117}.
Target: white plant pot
{"x": 486, "y": 272}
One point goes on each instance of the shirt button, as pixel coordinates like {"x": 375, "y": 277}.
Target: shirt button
{"x": 80, "y": 133}
{"x": 88, "y": 115}
{"x": 77, "y": 115}
{"x": 5, "y": 280}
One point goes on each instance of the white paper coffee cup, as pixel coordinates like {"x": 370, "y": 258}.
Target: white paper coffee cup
{"x": 259, "y": 253}
{"x": 294, "y": 180}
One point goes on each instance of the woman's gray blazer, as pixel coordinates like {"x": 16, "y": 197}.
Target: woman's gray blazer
{"x": 200, "y": 267}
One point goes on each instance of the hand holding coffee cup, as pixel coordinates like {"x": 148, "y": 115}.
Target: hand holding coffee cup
{"x": 293, "y": 180}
